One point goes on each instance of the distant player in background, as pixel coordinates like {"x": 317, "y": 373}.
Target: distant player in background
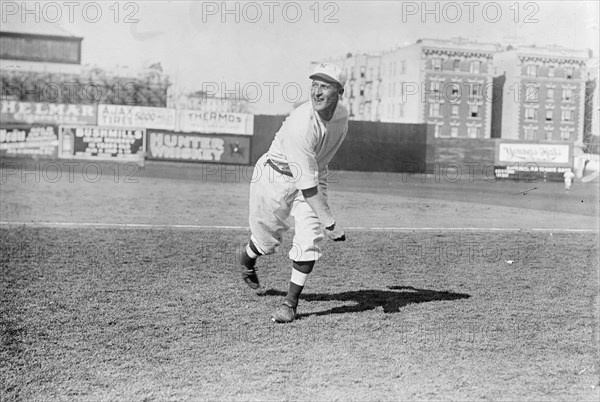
{"x": 568, "y": 176}
{"x": 292, "y": 180}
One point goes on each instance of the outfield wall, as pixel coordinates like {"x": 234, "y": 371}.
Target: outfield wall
{"x": 265, "y": 128}
{"x": 383, "y": 147}
{"x": 369, "y": 146}
{"x": 498, "y": 158}
{"x": 472, "y": 154}
{"x": 134, "y": 133}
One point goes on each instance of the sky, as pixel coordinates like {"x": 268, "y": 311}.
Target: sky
{"x": 271, "y": 45}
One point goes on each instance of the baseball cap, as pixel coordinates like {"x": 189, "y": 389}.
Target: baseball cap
{"x": 330, "y": 73}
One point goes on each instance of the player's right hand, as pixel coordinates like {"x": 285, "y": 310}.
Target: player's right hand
{"x": 335, "y": 232}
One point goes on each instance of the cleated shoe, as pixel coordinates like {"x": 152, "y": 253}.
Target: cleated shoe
{"x": 285, "y": 313}
{"x": 249, "y": 276}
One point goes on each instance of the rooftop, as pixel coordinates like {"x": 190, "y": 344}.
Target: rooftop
{"x": 552, "y": 50}
{"x": 458, "y": 43}
{"x": 36, "y": 28}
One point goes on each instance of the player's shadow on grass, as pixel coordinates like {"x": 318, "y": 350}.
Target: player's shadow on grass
{"x": 363, "y": 300}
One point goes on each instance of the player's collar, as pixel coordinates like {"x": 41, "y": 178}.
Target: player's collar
{"x": 333, "y": 115}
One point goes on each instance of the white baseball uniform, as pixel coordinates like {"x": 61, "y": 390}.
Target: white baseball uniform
{"x": 299, "y": 155}
{"x": 568, "y": 176}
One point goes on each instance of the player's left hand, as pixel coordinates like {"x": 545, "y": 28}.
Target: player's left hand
{"x": 335, "y": 232}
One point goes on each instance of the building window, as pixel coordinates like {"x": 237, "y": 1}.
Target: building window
{"x": 473, "y": 110}
{"x": 435, "y": 86}
{"x": 550, "y": 94}
{"x": 473, "y": 132}
{"x": 455, "y": 89}
{"x": 434, "y": 109}
{"x": 531, "y": 92}
{"x": 551, "y": 71}
{"x": 530, "y": 133}
{"x": 548, "y": 135}
{"x": 530, "y": 113}
{"x": 454, "y": 132}
{"x": 436, "y": 130}
{"x": 567, "y": 94}
{"x": 475, "y": 67}
{"x": 454, "y": 110}
{"x": 362, "y": 91}
{"x": 403, "y": 67}
{"x": 532, "y": 70}
{"x": 569, "y": 72}
{"x": 436, "y": 63}
{"x": 362, "y": 71}
{"x": 474, "y": 89}
{"x": 444, "y": 133}
{"x": 566, "y": 115}
{"x": 456, "y": 65}
{"x": 401, "y": 110}
{"x": 565, "y": 135}
{"x": 549, "y": 115}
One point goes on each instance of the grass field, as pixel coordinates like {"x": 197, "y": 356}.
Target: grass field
{"x": 161, "y": 313}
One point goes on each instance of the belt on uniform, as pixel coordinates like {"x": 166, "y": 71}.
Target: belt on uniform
{"x": 278, "y": 169}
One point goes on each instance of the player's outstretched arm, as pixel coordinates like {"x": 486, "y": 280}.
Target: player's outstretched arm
{"x": 318, "y": 202}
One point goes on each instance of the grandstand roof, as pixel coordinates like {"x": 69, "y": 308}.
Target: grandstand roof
{"x": 37, "y": 28}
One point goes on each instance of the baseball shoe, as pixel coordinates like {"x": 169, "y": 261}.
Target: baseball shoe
{"x": 249, "y": 276}
{"x": 286, "y": 313}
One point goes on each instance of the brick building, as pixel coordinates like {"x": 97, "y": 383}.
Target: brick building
{"x": 469, "y": 89}
{"x": 40, "y": 47}
{"x": 543, "y": 93}
{"x": 446, "y": 83}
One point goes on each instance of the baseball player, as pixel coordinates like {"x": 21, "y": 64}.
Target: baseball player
{"x": 291, "y": 179}
{"x": 568, "y": 176}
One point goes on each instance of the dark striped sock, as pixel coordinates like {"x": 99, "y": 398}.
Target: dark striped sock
{"x": 300, "y": 271}
{"x": 245, "y": 259}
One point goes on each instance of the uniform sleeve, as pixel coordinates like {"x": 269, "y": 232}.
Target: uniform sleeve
{"x": 299, "y": 150}
{"x": 323, "y": 184}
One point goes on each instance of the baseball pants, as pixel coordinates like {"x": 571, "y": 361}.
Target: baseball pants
{"x": 273, "y": 198}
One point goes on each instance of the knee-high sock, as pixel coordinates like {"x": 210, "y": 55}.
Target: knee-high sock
{"x": 300, "y": 271}
{"x": 249, "y": 255}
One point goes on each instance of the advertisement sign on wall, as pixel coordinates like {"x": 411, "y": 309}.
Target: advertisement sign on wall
{"x": 29, "y": 141}
{"x": 175, "y": 146}
{"x": 136, "y": 116}
{"x": 102, "y": 143}
{"x": 46, "y": 113}
{"x": 215, "y": 122}
{"x": 532, "y": 161}
{"x": 543, "y": 154}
